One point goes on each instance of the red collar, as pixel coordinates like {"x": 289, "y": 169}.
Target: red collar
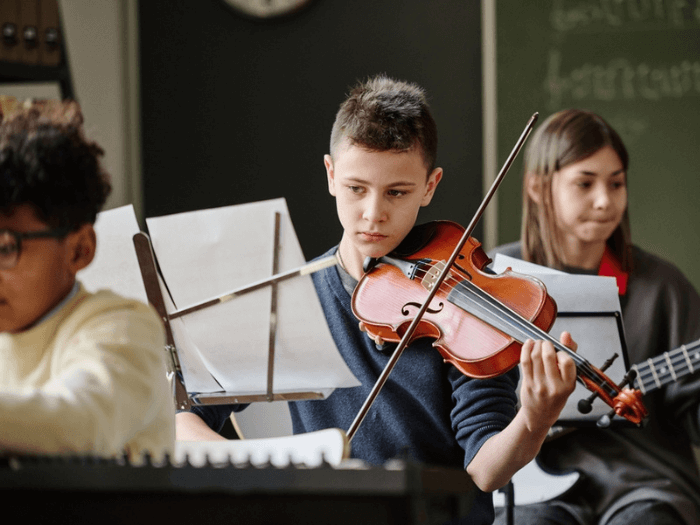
{"x": 610, "y": 267}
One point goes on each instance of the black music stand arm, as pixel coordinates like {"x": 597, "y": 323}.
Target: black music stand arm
{"x": 149, "y": 274}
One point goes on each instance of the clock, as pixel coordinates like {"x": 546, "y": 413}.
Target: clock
{"x": 264, "y": 9}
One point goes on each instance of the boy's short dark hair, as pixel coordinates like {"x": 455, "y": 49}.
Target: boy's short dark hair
{"x": 382, "y": 114}
{"x": 46, "y": 162}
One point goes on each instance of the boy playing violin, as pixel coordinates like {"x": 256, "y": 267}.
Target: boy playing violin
{"x": 381, "y": 170}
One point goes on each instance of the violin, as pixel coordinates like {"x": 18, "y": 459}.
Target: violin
{"x": 478, "y": 320}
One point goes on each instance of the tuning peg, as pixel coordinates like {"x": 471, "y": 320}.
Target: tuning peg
{"x": 605, "y": 420}
{"x": 629, "y": 377}
{"x": 586, "y": 405}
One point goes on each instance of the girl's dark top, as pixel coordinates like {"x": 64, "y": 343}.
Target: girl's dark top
{"x": 661, "y": 312}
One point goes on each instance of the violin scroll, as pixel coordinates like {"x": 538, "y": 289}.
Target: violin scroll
{"x": 626, "y": 402}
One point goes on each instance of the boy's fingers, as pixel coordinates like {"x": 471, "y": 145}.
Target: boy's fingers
{"x": 550, "y": 359}
{"x": 526, "y": 358}
{"x": 568, "y": 341}
{"x": 567, "y": 367}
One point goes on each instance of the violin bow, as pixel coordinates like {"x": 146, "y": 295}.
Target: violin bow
{"x": 438, "y": 282}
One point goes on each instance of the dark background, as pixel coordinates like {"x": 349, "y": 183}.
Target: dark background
{"x": 237, "y": 110}
{"x": 637, "y": 64}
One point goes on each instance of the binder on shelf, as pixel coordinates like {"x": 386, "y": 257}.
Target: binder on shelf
{"x": 29, "y": 32}
{"x": 49, "y": 33}
{"x": 32, "y": 44}
{"x": 10, "y": 27}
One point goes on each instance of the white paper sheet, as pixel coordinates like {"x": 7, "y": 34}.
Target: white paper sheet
{"x": 207, "y": 253}
{"x": 572, "y": 293}
{"x": 115, "y": 265}
{"x": 598, "y": 337}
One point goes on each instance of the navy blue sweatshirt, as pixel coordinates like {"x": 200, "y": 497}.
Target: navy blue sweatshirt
{"x": 427, "y": 411}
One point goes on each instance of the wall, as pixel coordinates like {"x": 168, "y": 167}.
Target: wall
{"x": 237, "y": 110}
{"x": 96, "y": 34}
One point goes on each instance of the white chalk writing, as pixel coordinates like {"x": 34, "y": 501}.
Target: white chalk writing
{"x": 599, "y": 15}
{"x": 619, "y": 79}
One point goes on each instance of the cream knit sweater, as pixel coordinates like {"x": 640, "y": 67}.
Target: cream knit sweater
{"x": 90, "y": 379}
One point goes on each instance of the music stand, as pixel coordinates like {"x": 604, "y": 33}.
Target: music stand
{"x": 155, "y": 291}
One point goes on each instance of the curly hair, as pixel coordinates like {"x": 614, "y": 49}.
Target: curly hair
{"x": 47, "y": 162}
{"x": 383, "y": 114}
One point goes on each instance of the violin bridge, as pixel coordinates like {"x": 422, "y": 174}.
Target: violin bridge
{"x": 431, "y": 275}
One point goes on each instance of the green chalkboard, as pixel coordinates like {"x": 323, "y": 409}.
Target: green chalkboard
{"x": 636, "y": 63}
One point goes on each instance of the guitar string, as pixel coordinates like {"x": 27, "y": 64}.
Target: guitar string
{"x": 677, "y": 356}
{"x": 660, "y": 368}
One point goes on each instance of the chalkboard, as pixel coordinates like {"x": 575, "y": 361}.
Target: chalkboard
{"x": 636, "y": 63}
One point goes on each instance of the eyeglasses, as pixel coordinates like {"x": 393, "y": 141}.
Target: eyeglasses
{"x": 11, "y": 243}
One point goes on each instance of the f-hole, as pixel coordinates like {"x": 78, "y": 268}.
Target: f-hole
{"x": 405, "y": 311}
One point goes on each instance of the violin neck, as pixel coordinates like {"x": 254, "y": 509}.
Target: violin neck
{"x": 482, "y": 305}
{"x": 475, "y": 301}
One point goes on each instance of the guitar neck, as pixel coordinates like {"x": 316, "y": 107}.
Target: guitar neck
{"x": 668, "y": 367}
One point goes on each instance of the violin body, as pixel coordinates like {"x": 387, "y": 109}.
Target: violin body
{"x": 386, "y": 301}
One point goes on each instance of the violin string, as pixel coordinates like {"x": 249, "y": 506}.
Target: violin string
{"x": 528, "y": 330}
{"x": 451, "y": 285}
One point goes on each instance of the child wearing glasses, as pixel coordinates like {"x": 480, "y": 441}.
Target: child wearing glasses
{"x": 81, "y": 373}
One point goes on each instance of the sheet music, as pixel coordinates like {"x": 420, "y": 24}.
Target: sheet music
{"x": 207, "y": 253}
{"x": 598, "y": 337}
{"x": 115, "y": 265}
{"x": 572, "y": 293}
